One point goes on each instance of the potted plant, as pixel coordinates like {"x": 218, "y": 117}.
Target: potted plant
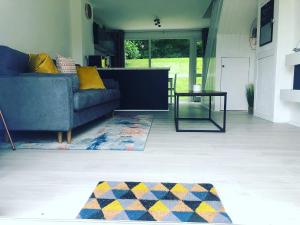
{"x": 250, "y": 97}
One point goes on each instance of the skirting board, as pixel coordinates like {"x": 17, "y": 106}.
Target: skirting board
{"x": 295, "y": 123}
{"x": 263, "y": 116}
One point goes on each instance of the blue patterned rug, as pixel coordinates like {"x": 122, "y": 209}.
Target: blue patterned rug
{"x": 121, "y": 133}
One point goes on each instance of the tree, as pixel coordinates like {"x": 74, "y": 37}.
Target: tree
{"x": 170, "y": 48}
{"x": 132, "y": 50}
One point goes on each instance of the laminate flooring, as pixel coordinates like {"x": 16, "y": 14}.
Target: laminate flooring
{"x": 255, "y": 167}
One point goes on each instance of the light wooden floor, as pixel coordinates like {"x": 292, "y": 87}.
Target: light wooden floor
{"x": 255, "y": 167}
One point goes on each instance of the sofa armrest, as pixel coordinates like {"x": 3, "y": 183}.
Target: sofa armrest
{"x": 74, "y": 77}
{"x": 111, "y": 84}
{"x": 31, "y": 102}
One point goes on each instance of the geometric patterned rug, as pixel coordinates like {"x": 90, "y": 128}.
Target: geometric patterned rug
{"x": 165, "y": 202}
{"x": 121, "y": 133}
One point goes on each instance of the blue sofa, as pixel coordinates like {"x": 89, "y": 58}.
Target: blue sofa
{"x": 47, "y": 102}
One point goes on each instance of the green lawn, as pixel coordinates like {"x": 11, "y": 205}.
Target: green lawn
{"x": 179, "y": 66}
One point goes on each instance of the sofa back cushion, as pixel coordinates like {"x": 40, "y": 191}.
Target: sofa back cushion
{"x": 13, "y": 60}
{"x": 65, "y": 65}
{"x": 42, "y": 63}
{"x": 89, "y": 78}
{"x": 74, "y": 78}
{"x": 7, "y": 72}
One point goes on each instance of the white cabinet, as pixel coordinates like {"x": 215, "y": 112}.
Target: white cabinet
{"x": 265, "y": 88}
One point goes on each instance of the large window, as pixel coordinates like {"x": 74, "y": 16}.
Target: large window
{"x": 137, "y": 53}
{"x": 173, "y": 53}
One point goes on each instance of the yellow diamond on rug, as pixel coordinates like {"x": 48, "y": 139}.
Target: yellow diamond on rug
{"x": 204, "y": 208}
{"x": 115, "y": 206}
{"x": 112, "y": 210}
{"x": 140, "y": 190}
{"x": 159, "y": 211}
{"x": 101, "y": 189}
{"x": 179, "y": 191}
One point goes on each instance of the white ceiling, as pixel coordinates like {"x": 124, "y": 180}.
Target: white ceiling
{"x": 236, "y": 19}
{"x": 135, "y": 15}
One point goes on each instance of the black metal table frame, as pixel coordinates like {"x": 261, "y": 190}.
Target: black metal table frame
{"x": 221, "y": 129}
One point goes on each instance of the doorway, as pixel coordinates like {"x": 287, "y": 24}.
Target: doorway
{"x": 234, "y": 79}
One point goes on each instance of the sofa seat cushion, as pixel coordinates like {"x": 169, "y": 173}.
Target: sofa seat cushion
{"x": 89, "y": 98}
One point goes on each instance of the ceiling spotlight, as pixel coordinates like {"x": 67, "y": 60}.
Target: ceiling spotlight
{"x": 157, "y": 22}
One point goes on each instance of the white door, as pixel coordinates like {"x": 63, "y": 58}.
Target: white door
{"x": 234, "y": 79}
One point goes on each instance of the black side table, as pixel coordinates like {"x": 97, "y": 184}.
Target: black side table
{"x": 210, "y": 94}
{"x": 7, "y": 131}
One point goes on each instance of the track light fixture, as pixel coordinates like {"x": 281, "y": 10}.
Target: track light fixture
{"x": 157, "y": 22}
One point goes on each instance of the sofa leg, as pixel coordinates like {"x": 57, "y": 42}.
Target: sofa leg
{"x": 60, "y": 137}
{"x": 69, "y": 136}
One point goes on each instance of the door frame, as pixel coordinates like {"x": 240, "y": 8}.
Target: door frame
{"x": 221, "y": 74}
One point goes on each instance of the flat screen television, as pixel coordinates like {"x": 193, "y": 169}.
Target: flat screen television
{"x": 266, "y": 23}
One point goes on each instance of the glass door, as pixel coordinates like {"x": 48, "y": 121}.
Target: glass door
{"x": 175, "y": 54}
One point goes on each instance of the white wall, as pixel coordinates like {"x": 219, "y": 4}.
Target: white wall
{"x": 81, "y": 32}
{"x": 294, "y": 108}
{"x": 76, "y": 31}
{"x": 272, "y": 73}
{"x": 234, "y": 46}
{"x": 51, "y": 26}
{"x": 36, "y": 26}
{"x": 286, "y": 41}
{"x": 233, "y": 36}
{"x": 87, "y": 33}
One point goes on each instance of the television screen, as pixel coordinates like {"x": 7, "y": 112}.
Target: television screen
{"x": 266, "y": 23}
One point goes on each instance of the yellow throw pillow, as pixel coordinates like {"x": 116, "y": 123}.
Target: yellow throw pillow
{"x": 42, "y": 63}
{"x": 89, "y": 78}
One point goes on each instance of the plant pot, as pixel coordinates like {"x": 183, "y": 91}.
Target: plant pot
{"x": 250, "y": 110}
